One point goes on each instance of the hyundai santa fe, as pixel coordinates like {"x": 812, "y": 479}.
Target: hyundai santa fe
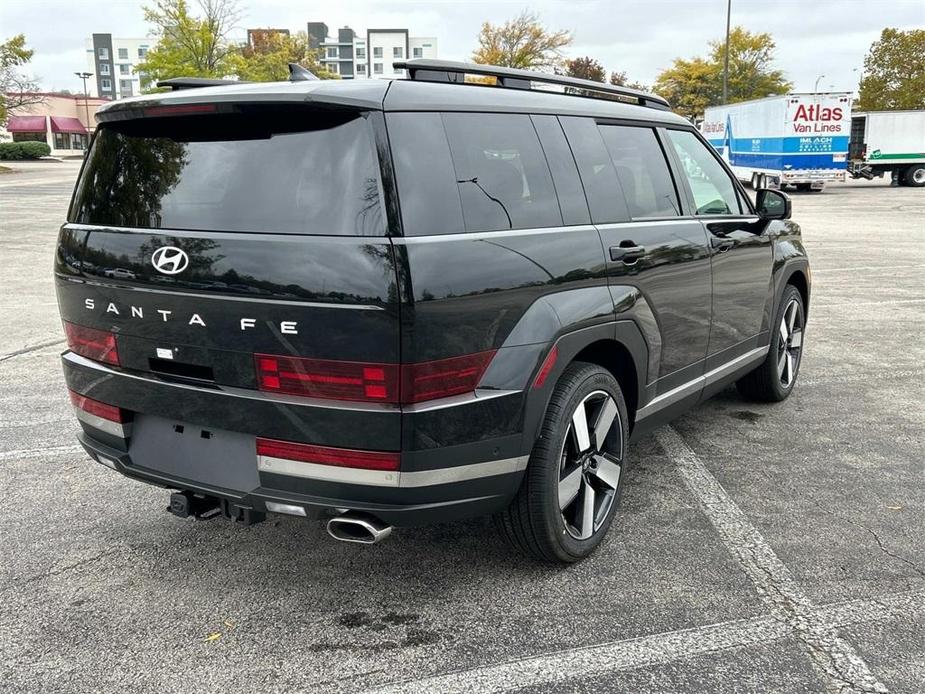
{"x": 399, "y": 302}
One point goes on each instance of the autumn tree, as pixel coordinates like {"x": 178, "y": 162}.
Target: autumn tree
{"x": 619, "y": 79}
{"x": 17, "y": 90}
{"x": 693, "y": 85}
{"x": 190, "y": 45}
{"x": 585, "y": 68}
{"x": 267, "y": 57}
{"x": 522, "y": 42}
{"x": 894, "y": 73}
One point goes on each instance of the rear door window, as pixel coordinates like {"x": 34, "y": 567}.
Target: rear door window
{"x": 605, "y": 199}
{"x": 643, "y": 171}
{"x": 713, "y": 189}
{"x": 571, "y": 196}
{"x": 282, "y": 172}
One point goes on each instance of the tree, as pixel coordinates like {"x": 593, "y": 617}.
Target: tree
{"x": 692, "y": 85}
{"x": 189, "y": 46}
{"x": 268, "y": 56}
{"x": 585, "y": 68}
{"x": 619, "y": 79}
{"x": 894, "y": 74}
{"x": 522, "y": 42}
{"x": 17, "y": 90}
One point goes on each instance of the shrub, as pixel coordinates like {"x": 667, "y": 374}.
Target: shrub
{"x": 14, "y": 151}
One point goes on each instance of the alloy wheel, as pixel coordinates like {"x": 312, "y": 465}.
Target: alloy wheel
{"x": 590, "y": 464}
{"x": 789, "y": 343}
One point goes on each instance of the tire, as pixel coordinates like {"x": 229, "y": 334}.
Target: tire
{"x": 535, "y": 523}
{"x": 915, "y": 176}
{"x": 774, "y": 379}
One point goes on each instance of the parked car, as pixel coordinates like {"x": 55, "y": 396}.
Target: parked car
{"x": 119, "y": 273}
{"x": 473, "y": 298}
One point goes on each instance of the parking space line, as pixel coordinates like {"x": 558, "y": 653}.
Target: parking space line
{"x": 833, "y": 656}
{"x": 39, "y": 452}
{"x": 657, "y": 649}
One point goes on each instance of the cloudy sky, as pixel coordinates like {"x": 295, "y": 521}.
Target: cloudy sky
{"x": 814, "y": 37}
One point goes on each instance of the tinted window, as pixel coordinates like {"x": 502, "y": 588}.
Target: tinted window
{"x": 501, "y": 173}
{"x": 597, "y": 173}
{"x": 572, "y": 202}
{"x": 642, "y": 170}
{"x": 713, "y": 189}
{"x": 427, "y": 191}
{"x": 241, "y": 172}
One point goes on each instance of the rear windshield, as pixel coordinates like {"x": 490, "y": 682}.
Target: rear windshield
{"x": 283, "y": 172}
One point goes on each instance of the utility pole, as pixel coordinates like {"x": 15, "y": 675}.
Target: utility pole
{"x": 726, "y": 56}
{"x": 85, "y": 76}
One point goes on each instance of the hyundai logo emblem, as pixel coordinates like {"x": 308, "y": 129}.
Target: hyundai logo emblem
{"x": 170, "y": 260}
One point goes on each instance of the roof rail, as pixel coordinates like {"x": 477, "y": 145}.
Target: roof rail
{"x": 176, "y": 83}
{"x": 427, "y": 70}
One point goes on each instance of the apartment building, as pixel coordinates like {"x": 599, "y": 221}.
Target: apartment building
{"x": 368, "y": 55}
{"x": 112, "y": 61}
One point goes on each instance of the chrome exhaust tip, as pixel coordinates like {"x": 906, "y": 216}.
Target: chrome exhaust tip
{"x": 358, "y": 527}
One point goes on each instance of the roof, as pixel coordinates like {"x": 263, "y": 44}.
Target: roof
{"x": 26, "y": 124}
{"x": 398, "y": 95}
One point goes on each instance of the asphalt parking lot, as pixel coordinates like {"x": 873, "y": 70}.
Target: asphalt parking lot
{"x": 759, "y": 548}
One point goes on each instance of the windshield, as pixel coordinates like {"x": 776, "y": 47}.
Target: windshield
{"x": 284, "y": 172}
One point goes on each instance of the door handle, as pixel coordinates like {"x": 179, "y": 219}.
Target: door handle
{"x": 628, "y": 252}
{"x": 721, "y": 244}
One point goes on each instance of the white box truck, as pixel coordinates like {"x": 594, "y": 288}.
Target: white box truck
{"x": 792, "y": 139}
{"x": 893, "y": 141}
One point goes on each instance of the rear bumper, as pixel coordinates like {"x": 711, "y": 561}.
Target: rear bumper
{"x": 435, "y": 484}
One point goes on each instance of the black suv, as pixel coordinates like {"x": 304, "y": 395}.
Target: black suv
{"x": 405, "y": 302}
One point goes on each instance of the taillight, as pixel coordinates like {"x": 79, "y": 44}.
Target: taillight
{"x": 324, "y": 455}
{"x": 320, "y": 378}
{"x": 548, "y": 363}
{"x": 100, "y": 409}
{"x": 91, "y": 343}
{"x": 438, "y": 379}
{"x": 371, "y": 382}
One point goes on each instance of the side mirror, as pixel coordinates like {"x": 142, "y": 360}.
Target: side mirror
{"x": 772, "y": 204}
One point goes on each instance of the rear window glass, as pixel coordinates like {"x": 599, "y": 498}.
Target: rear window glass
{"x": 284, "y": 172}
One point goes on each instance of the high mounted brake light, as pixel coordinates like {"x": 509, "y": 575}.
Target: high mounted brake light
{"x": 325, "y": 455}
{"x": 100, "y": 409}
{"x": 179, "y": 110}
{"x": 371, "y": 382}
{"x": 99, "y": 345}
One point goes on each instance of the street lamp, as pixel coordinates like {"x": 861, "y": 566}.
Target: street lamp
{"x": 85, "y": 76}
{"x": 726, "y": 54}
{"x": 816, "y": 86}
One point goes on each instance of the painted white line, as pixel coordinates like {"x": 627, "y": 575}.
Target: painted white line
{"x": 864, "y": 268}
{"x": 834, "y": 657}
{"x": 657, "y": 649}
{"x": 854, "y": 304}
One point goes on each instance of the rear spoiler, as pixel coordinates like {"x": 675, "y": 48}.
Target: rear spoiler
{"x": 297, "y": 73}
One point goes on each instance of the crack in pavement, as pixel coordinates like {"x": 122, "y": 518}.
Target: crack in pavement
{"x": 31, "y": 348}
{"x": 843, "y": 668}
{"x": 915, "y": 567}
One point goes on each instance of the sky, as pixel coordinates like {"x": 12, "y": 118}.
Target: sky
{"x": 814, "y": 37}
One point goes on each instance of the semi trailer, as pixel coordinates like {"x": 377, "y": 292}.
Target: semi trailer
{"x": 795, "y": 139}
{"x": 888, "y": 142}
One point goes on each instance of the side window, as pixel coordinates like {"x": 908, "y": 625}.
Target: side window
{"x": 598, "y": 176}
{"x": 571, "y": 196}
{"x": 427, "y": 190}
{"x": 501, "y": 172}
{"x": 643, "y": 171}
{"x": 714, "y": 191}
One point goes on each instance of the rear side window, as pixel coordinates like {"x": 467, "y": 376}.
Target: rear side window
{"x": 286, "y": 172}
{"x": 470, "y": 172}
{"x": 643, "y": 171}
{"x": 501, "y": 172}
{"x": 571, "y": 195}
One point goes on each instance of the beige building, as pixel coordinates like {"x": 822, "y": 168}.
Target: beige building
{"x": 63, "y": 121}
